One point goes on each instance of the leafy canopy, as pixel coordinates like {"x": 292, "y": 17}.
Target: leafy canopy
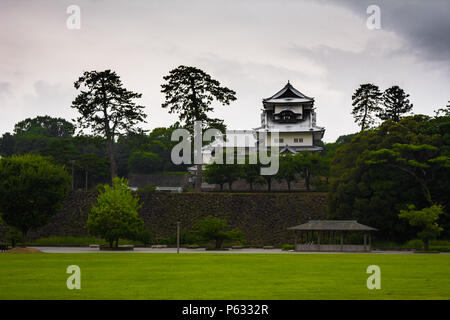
{"x": 115, "y": 215}
{"x": 212, "y": 228}
{"x": 426, "y": 220}
{"x": 105, "y": 106}
{"x": 396, "y": 104}
{"x": 31, "y": 191}
{"x": 45, "y": 126}
{"x": 381, "y": 171}
{"x": 190, "y": 92}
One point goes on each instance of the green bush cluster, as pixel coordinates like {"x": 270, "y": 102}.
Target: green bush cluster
{"x": 287, "y": 247}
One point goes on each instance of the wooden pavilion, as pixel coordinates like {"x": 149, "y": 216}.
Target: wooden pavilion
{"x": 328, "y": 235}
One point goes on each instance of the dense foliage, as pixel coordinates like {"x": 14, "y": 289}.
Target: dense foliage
{"x": 190, "y": 91}
{"x": 426, "y": 220}
{"x": 86, "y": 155}
{"x": 115, "y": 215}
{"x": 215, "y": 229}
{"x": 31, "y": 191}
{"x": 412, "y": 153}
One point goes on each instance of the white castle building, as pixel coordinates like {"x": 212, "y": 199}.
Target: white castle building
{"x": 290, "y": 114}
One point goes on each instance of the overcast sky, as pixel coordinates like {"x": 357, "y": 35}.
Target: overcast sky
{"x": 251, "y": 46}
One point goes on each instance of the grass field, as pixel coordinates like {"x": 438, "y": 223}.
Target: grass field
{"x": 224, "y": 276}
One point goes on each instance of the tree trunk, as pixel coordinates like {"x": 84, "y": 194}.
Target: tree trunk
{"x": 110, "y": 243}
{"x": 230, "y": 184}
{"x": 363, "y": 122}
{"x": 112, "y": 160}
{"x": 117, "y": 243}
{"x": 289, "y": 186}
{"x": 251, "y": 185}
{"x": 219, "y": 243}
{"x": 426, "y": 244}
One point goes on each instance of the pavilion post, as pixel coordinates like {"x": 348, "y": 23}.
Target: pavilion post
{"x": 342, "y": 240}
{"x": 365, "y": 241}
{"x": 318, "y": 238}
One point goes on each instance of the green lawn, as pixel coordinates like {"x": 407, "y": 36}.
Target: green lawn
{"x": 224, "y": 276}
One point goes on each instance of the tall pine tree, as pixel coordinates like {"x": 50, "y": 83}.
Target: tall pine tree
{"x": 396, "y": 103}
{"x": 107, "y": 108}
{"x": 189, "y": 92}
{"x": 366, "y": 105}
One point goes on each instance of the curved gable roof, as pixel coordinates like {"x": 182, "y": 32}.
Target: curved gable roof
{"x": 288, "y": 94}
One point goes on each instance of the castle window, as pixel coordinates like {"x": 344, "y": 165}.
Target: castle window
{"x": 298, "y": 140}
{"x": 280, "y": 140}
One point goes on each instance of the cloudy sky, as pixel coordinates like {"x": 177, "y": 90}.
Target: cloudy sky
{"x": 251, "y": 46}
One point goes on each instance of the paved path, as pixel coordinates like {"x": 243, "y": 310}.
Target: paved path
{"x": 183, "y": 250}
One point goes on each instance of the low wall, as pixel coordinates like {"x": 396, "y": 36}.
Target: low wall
{"x": 263, "y": 217}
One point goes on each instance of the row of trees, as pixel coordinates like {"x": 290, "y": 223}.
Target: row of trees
{"x": 137, "y": 152}
{"x": 304, "y": 165}
{"x": 109, "y": 110}
{"x": 112, "y": 116}
{"x": 369, "y": 103}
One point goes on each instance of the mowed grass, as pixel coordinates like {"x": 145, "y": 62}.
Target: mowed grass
{"x": 224, "y": 276}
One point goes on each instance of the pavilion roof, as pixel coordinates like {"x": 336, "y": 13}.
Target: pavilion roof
{"x": 288, "y": 95}
{"x": 332, "y": 225}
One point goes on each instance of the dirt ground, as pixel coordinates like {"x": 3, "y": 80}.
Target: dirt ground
{"x": 23, "y": 250}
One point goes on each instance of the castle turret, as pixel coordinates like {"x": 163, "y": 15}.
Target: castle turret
{"x": 292, "y": 114}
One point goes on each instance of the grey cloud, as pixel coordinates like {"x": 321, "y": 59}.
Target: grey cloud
{"x": 424, "y": 24}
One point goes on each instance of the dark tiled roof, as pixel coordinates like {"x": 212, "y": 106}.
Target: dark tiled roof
{"x": 288, "y": 93}
{"x": 332, "y": 225}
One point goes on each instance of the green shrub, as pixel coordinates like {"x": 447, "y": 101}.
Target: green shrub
{"x": 287, "y": 247}
{"x": 31, "y": 191}
{"x": 143, "y": 236}
{"x": 149, "y": 188}
{"x": 14, "y": 236}
{"x": 414, "y": 244}
{"x": 440, "y": 248}
{"x": 99, "y": 187}
{"x": 440, "y": 242}
{"x": 116, "y": 214}
{"x": 215, "y": 229}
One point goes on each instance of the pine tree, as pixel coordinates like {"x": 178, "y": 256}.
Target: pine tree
{"x": 107, "y": 108}
{"x": 189, "y": 92}
{"x": 396, "y": 103}
{"x": 366, "y": 100}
